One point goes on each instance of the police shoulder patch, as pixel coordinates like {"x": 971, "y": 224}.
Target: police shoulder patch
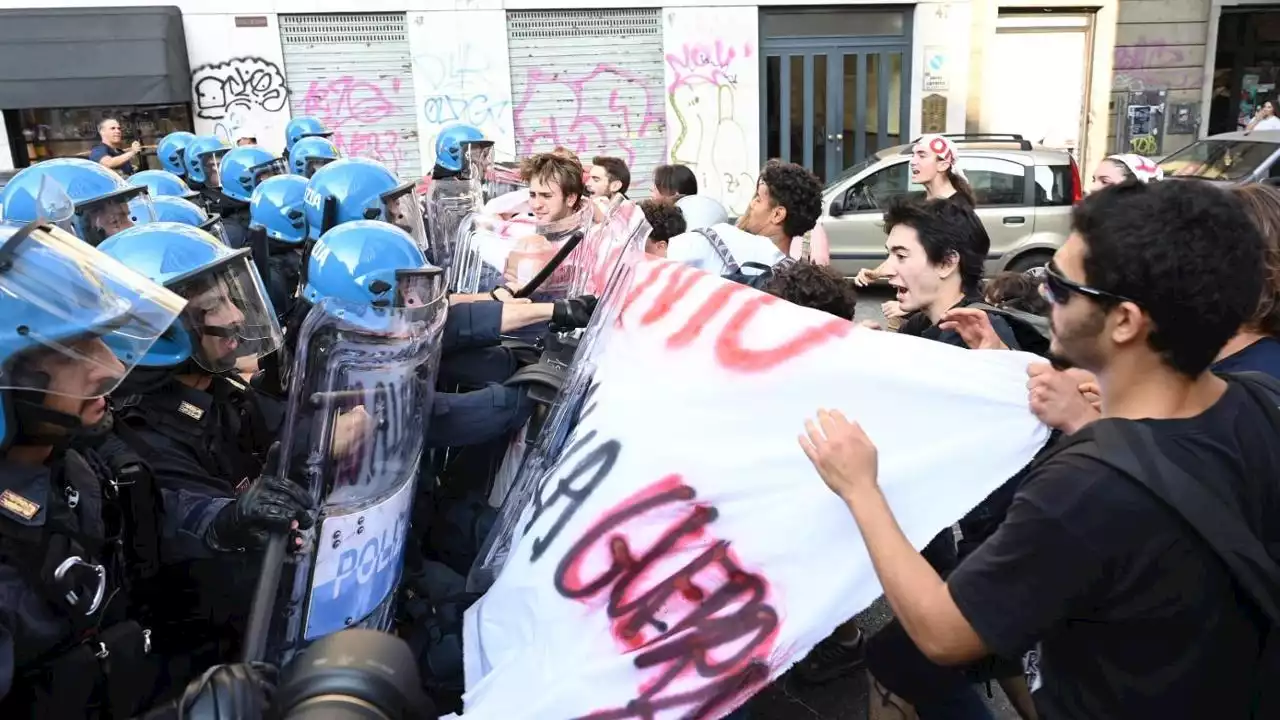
{"x": 16, "y": 504}
{"x": 190, "y": 410}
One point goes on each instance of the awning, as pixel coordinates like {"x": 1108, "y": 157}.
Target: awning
{"x": 81, "y": 57}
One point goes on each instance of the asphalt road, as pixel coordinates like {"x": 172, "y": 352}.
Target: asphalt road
{"x": 845, "y": 698}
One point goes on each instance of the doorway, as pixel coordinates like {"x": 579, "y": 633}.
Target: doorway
{"x": 1246, "y": 67}
{"x": 837, "y": 86}
{"x": 1046, "y": 103}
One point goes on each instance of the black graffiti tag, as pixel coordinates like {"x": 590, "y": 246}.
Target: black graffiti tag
{"x": 241, "y": 84}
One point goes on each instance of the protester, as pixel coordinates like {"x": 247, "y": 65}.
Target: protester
{"x": 671, "y": 182}
{"x": 555, "y": 185}
{"x": 815, "y": 286}
{"x": 1256, "y": 346}
{"x": 1128, "y": 611}
{"x": 1265, "y": 119}
{"x": 787, "y": 203}
{"x": 1116, "y": 169}
{"x": 665, "y": 220}
{"x": 933, "y": 165}
{"x": 608, "y": 177}
{"x": 110, "y": 153}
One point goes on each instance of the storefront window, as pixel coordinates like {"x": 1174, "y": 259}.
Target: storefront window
{"x": 72, "y": 132}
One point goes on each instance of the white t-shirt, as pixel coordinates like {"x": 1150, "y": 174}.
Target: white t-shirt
{"x": 693, "y": 248}
{"x": 1271, "y": 123}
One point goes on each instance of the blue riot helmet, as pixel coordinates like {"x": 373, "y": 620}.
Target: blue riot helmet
{"x": 449, "y": 144}
{"x": 301, "y": 127}
{"x": 171, "y": 149}
{"x": 277, "y": 208}
{"x": 244, "y": 167}
{"x": 73, "y": 323}
{"x": 346, "y": 190}
{"x": 202, "y": 158}
{"x": 172, "y": 209}
{"x": 310, "y": 154}
{"x": 228, "y": 315}
{"x": 162, "y": 183}
{"x": 103, "y": 203}
{"x": 370, "y": 262}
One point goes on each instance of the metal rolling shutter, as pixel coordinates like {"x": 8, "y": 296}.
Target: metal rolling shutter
{"x": 354, "y": 72}
{"x": 592, "y": 81}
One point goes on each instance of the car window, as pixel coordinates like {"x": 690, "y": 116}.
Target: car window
{"x": 995, "y": 182}
{"x": 1218, "y": 159}
{"x": 1053, "y": 185}
{"x": 875, "y": 191}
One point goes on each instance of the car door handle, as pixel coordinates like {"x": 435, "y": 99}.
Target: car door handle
{"x": 1014, "y": 220}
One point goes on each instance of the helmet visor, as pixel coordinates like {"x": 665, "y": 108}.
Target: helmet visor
{"x": 214, "y": 227}
{"x": 211, "y": 165}
{"x": 419, "y": 288}
{"x": 100, "y": 218}
{"x": 402, "y": 207}
{"x": 228, "y": 314}
{"x": 312, "y": 164}
{"x": 85, "y": 320}
{"x": 270, "y": 169}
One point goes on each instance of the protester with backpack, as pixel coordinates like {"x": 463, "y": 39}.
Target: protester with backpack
{"x": 1132, "y": 568}
{"x": 787, "y": 203}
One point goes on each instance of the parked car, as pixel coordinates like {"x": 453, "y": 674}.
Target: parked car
{"x": 1228, "y": 157}
{"x": 1024, "y": 193}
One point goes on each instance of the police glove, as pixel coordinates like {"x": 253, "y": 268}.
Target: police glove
{"x": 270, "y": 505}
{"x": 572, "y": 313}
{"x": 240, "y": 690}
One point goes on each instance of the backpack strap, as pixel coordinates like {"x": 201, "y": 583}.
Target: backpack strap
{"x": 1130, "y": 447}
{"x": 731, "y": 265}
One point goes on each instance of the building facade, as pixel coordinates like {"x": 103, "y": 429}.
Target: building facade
{"x": 714, "y": 84}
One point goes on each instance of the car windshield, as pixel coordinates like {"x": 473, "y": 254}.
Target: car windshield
{"x": 1218, "y": 159}
{"x": 859, "y": 167}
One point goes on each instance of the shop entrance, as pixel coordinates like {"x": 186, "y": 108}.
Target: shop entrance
{"x": 1246, "y": 70}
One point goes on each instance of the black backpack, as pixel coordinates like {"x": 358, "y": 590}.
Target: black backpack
{"x": 1131, "y": 448}
{"x": 761, "y": 274}
{"x": 1030, "y": 330}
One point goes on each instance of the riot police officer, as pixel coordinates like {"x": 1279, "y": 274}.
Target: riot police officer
{"x": 162, "y": 183}
{"x": 171, "y": 151}
{"x": 70, "y": 646}
{"x": 205, "y": 433}
{"x": 277, "y": 235}
{"x": 231, "y": 178}
{"x": 310, "y": 154}
{"x": 303, "y": 127}
{"x": 175, "y": 209}
{"x": 102, "y": 203}
{"x": 449, "y": 149}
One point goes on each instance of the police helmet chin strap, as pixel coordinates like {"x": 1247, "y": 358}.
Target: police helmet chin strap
{"x": 31, "y": 413}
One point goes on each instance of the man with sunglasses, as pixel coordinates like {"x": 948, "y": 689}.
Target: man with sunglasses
{"x": 1122, "y": 608}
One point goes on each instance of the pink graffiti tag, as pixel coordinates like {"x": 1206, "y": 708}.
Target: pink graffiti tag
{"x": 347, "y": 105}
{"x": 576, "y": 127}
{"x": 705, "y": 62}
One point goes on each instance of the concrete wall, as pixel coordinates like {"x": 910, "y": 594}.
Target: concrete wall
{"x": 1160, "y": 45}
{"x": 237, "y": 78}
{"x": 461, "y": 73}
{"x": 712, "y": 75}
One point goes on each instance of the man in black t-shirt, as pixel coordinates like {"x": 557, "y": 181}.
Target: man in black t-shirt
{"x": 1124, "y": 610}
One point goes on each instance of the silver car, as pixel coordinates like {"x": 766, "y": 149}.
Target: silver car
{"x": 1024, "y": 193}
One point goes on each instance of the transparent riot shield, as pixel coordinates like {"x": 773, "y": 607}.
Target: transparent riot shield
{"x": 359, "y": 398}
{"x": 450, "y": 202}
{"x": 519, "y": 253}
{"x": 601, "y": 265}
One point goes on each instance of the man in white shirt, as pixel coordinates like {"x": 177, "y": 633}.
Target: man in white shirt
{"x": 787, "y": 203}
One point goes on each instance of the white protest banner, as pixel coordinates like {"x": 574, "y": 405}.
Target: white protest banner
{"x": 682, "y": 551}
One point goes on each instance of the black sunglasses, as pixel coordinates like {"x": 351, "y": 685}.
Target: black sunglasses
{"x": 1057, "y": 289}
